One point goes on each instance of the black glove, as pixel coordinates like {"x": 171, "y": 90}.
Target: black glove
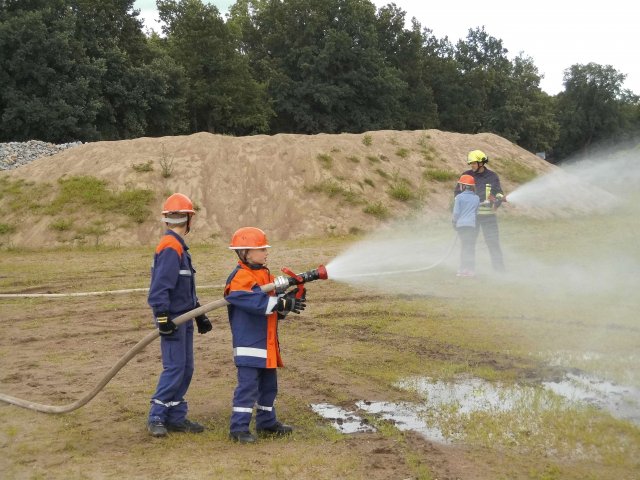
{"x": 165, "y": 324}
{"x": 203, "y": 323}
{"x": 289, "y": 303}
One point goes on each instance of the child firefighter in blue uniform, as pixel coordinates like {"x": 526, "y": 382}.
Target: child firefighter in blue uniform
{"x": 254, "y": 315}
{"x": 172, "y": 293}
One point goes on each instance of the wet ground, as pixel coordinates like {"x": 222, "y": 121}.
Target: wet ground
{"x": 473, "y": 394}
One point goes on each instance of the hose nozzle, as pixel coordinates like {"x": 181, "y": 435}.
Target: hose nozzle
{"x": 283, "y": 282}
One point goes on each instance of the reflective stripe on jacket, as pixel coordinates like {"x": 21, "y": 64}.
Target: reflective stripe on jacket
{"x": 254, "y": 326}
{"x": 173, "y": 286}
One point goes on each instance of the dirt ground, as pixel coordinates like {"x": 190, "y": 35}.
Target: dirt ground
{"x": 55, "y": 350}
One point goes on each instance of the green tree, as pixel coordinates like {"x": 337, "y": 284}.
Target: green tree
{"x": 49, "y": 85}
{"x": 403, "y": 50}
{"x": 222, "y": 96}
{"x": 526, "y": 114}
{"x": 323, "y": 66}
{"x": 593, "y": 109}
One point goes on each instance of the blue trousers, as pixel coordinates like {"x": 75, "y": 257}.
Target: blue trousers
{"x": 468, "y": 236}
{"x": 168, "y": 404}
{"x": 489, "y": 226}
{"x": 255, "y": 385}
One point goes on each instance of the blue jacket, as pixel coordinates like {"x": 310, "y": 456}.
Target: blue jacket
{"x": 465, "y": 209}
{"x": 254, "y": 325}
{"x": 173, "y": 285}
{"x": 487, "y": 188}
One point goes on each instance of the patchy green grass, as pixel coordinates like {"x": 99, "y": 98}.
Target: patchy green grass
{"x": 333, "y": 188}
{"x": 61, "y": 224}
{"x": 439, "y": 175}
{"x": 403, "y": 152}
{"x": 91, "y": 192}
{"x": 377, "y": 210}
{"x": 517, "y": 172}
{"x": 6, "y": 228}
{"x": 325, "y": 160}
{"x": 367, "y": 140}
{"x": 143, "y": 167}
{"x": 401, "y": 190}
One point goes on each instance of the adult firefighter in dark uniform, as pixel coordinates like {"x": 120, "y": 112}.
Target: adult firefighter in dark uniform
{"x": 491, "y": 196}
{"x": 173, "y": 292}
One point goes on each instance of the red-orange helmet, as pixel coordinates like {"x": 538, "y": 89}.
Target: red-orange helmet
{"x": 248, "y": 238}
{"x": 178, "y": 203}
{"x": 467, "y": 180}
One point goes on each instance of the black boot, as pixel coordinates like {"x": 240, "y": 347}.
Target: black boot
{"x": 242, "y": 437}
{"x": 186, "y": 426}
{"x": 278, "y": 430}
{"x": 157, "y": 429}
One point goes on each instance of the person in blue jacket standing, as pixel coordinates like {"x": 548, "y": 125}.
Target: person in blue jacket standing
{"x": 172, "y": 293}
{"x": 465, "y": 210}
{"x": 253, "y": 316}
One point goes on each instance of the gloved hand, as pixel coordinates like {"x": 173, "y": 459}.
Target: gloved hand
{"x": 294, "y": 292}
{"x": 165, "y": 324}
{"x": 499, "y": 199}
{"x": 289, "y": 303}
{"x": 203, "y": 323}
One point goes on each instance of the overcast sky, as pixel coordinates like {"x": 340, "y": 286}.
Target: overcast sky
{"x": 555, "y": 34}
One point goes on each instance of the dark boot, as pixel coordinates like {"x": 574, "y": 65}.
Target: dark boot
{"x": 156, "y": 428}
{"x": 278, "y": 430}
{"x": 242, "y": 437}
{"x": 186, "y": 426}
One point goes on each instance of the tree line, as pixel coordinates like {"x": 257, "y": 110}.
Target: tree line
{"x": 86, "y": 70}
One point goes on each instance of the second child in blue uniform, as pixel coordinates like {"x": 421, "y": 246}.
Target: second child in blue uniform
{"x": 172, "y": 293}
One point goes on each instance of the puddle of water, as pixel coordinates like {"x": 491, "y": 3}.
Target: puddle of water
{"x": 620, "y": 401}
{"x": 472, "y": 395}
{"x": 468, "y": 395}
{"x": 342, "y": 420}
{"x": 405, "y": 416}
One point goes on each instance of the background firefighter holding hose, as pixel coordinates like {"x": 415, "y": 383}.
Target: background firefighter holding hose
{"x": 173, "y": 292}
{"x": 491, "y": 197}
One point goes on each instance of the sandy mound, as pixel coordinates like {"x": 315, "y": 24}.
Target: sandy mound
{"x": 292, "y": 186}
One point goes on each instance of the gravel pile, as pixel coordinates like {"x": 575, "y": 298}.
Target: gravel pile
{"x": 16, "y": 154}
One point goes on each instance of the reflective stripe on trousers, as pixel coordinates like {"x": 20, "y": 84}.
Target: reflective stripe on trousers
{"x": 255, "y": 386}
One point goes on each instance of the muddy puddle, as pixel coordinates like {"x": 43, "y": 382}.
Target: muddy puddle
{"x": 469, "y": 395}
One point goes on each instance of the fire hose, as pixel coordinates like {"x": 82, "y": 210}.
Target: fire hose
{"x": 280, "y": 285}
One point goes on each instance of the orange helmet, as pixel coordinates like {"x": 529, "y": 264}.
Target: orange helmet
{"x": 248, "y": 238}
{"x": 467, "y": 180}
{"x": 178, "y": 203}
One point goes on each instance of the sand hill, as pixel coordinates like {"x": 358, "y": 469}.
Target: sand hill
{"x": 290, "y": 185}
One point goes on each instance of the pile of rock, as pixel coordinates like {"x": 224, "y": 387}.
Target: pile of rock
{"x": 16, "y": 154}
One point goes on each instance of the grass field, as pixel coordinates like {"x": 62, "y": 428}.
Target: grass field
{"x": 567, "y": 305}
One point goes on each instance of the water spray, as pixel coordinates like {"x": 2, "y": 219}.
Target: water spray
{"x": 280, "y": 285}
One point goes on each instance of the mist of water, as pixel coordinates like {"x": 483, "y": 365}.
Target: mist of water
{"x": 573, "y": 258}
{"x": 588, "y": 185}
{"x": 598, "y": 194}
